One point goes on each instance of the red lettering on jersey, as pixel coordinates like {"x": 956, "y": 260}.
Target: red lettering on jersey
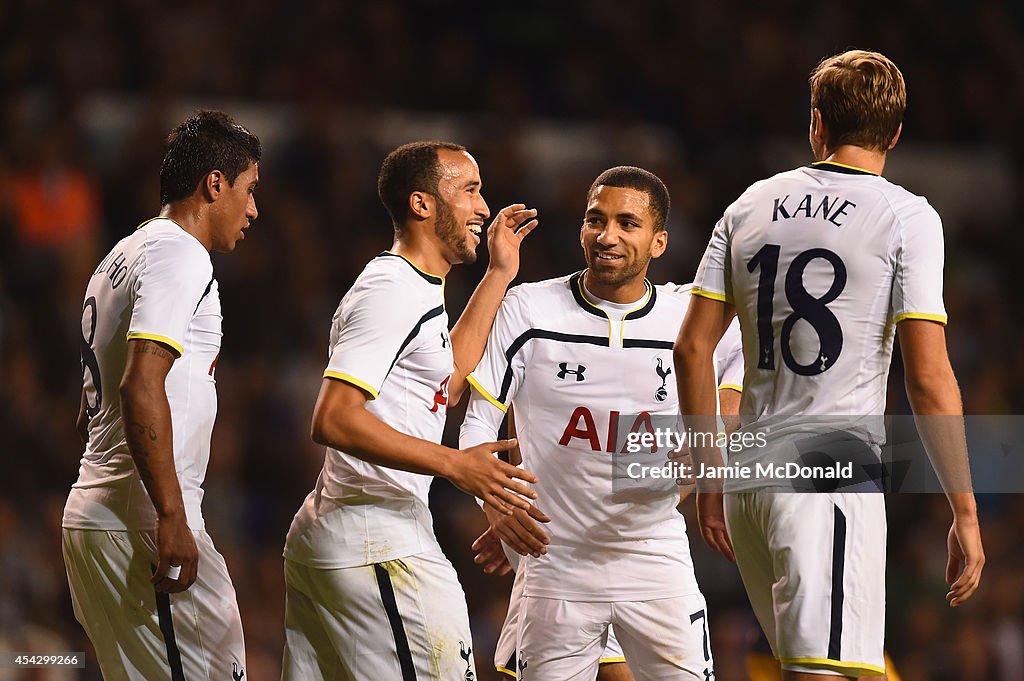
{"x": 441, "y": 396}
{"x": 213, "y": 367}
{"x": 588, "y": 433}
{"x": 613, "y": 431}
{"x": 643, "y": 420}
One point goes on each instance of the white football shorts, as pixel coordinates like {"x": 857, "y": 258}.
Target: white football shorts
{"x": 813, "y": 565}
{"x": 142, "y": 635}
{"x": 402, "y": 619}
{"x": 662, "y": 640}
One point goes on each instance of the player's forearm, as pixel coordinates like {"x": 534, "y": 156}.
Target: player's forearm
{"x": 361, "y": 434}
{"x": 938, "y": 411}
{"x": 149, "y": 434}
{"x": 469, "y": 335}
{"x": 695, "y": 381}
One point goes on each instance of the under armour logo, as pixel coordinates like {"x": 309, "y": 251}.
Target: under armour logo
{"x": 823, "y": 360}
{"x": 444, "y": 340}
{"x": 564, "y": 371}
{"x": 661, "y": 394}
{"x": 522, "y": 663}
{"x": 466, "y": 653}
{"x": 237, "y": 673}
{"x": 708, "y": 674}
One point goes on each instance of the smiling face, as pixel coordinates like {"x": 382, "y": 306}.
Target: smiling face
{"x": 619, "y": 240}
{"x": 233, "y": 209}
{"x": 461, "y": 209}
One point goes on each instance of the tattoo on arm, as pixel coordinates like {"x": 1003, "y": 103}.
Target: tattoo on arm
{"x": 140, "y": 438}
{"x": 152, "y": 348}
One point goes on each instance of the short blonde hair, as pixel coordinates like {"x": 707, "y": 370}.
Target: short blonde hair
{"x": 861, "y": 96}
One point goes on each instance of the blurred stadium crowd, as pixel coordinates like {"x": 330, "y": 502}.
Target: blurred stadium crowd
{"x": 711, "y": 96}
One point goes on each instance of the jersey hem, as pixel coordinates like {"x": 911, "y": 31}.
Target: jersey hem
{"x": 720, "y": 297}
{"x": 863, "y": 668}
{"x": 142, "y": 335}
{"x": 362, "y": 385}
{"x": 940, "y": 318}
{"x": 486, "y": 395}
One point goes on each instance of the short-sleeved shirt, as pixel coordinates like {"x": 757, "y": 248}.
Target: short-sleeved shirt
{"x": 155, "y": 284}
{"x": 580, "y": 378}
{"x": 389, "y": 337}
{"x": 822, "y": 262}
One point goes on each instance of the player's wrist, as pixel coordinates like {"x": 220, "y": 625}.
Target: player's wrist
{"x": 501, "y": 272}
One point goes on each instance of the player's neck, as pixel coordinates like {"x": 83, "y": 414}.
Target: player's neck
{"x": 870, "y": 160}
{"x": 190, "y": 218}
{"x": 422, "y": 253}
{"x": 629, "y": 292}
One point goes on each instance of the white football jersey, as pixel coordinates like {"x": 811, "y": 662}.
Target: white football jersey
{"x": 155, "y": 284}
{"x": 580, "y": 380}
{"x": 822, "y": 262}
{"x": 390, "y": 338}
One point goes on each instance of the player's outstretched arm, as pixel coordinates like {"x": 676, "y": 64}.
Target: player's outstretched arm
{"x": 693, "y": 356}
{"x": 935, "y": 399}
{"x": 469, "y": 335}
{"x": 341, "y": 421}
{"x": 148, "y": 431}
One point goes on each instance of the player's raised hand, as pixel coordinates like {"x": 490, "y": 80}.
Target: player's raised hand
{"x": 966, "y": 560}
{"x": 175, "y": 548}
{"x": 505, "y": 235}
{"x": 519, "y": 530}
{"x": 711, "y": 519}
{"x": 489, "y": 555}
{"x": 487, "y": 477}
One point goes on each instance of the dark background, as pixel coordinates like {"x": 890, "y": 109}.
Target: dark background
{"x": 710, "y": 96}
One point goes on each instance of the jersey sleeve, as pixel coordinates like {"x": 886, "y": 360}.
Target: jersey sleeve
{"x": 729, "y": 354}
{"x": 497, "y": 376}
{"x": 918, "y": 256}
{"x": 374, "y": 327}
{"x": 175, "y": 277}
{"x": 714, "y": 279}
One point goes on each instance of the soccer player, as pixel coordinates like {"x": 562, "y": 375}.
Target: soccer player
{"x": 370, "y": 595}
{"x": 147, "y": 584}
{"x": 824, "y": 265}
{"x": 585, "y": 359}
{"x": 498, "y": 557}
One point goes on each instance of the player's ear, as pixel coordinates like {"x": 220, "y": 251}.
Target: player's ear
{"x": 421, "y": 205}
{"x": 213, "y": 183}
{"x": 819, "y": 129}
{"x": 896, "y": 137}
{"x": 660, "y": 243}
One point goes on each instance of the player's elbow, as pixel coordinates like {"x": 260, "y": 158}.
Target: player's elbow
{"x": 135, "y": 389}
{"x": 689, "y": 352}
{"x": 933, "y": 390}
{"x": 330, "y": 430}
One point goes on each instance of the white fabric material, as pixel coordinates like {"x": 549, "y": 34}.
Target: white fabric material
{"x": 114, "y": 601}
{"x": 852, "y": 255}
{"x": 337, "y": 626}
{"x": 156, "y": 284}
{"x": 786, "y": 552}
{"x": 544, "y": 340}
{"x": 390, "y": 334}
{"x": 663, "y": 640}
